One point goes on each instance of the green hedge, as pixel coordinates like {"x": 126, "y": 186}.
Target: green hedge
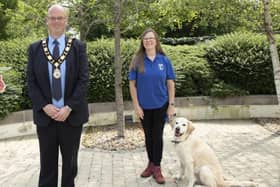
{"x": 13, "y": 55}
{"x": 241, "y": 61}
{"x": 235, "y": 64}
{"x": 12, "y": 97}
{"x": 101, "y": 69}
{"x": 194, "y": 76}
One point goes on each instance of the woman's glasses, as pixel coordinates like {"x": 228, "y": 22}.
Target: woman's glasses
{"x": 148, "y": 38}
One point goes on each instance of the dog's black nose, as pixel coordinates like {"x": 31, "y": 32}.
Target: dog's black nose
{"x": 177, "y": 129}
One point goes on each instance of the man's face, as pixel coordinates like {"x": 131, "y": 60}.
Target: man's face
{"x": 56, "y": 21}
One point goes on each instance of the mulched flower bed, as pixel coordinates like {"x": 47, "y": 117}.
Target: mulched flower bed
{"x": 271, "y": 124}
{"x": 106, "y": 137}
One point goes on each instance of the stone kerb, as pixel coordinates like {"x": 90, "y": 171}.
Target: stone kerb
{"x": 194, "y": 108}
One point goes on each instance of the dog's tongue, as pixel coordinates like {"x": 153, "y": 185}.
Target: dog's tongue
{"x": 177, "y": 134}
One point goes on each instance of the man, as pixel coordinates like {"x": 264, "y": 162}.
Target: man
{"x": 57, "y": 75}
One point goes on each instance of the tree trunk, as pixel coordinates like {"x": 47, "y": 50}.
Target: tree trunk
{"x": 272, "y": 47}
{"x": 81, "y": 24}
{"x": 83, "y": 21}
{"x": 118, "y": 71}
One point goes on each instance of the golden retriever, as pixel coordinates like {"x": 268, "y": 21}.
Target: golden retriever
{"x": 198, "y": 162}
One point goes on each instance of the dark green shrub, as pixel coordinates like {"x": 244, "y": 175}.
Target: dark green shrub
{"x": 13, "y": 55}
{"x": 194, "y": 76}
{"x": 11, "y": 99}
{"x": 243, "y": 61}
{"x": 101, "y": 69}
{"x": 101, "y": 75}
{"x": 128, "y": 49}
{"x": 221, "y": 89}
{"x": 236, "y": 64}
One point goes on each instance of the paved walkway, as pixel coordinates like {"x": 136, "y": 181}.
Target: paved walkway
{"x": 246, "y": 150}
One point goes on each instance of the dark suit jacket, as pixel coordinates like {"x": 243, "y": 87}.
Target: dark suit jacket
{"x": 76, "y": 83}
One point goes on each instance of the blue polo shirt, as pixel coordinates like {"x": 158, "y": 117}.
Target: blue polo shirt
{"x": 152, "y": 91}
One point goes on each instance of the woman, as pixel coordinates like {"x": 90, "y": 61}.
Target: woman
{"x": 151, "y": 83}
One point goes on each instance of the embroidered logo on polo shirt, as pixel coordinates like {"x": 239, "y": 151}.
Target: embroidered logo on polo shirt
{"x": 160, "y": 67}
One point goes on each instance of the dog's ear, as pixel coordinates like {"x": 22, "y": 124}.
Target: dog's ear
{"x": 190, "y": 127}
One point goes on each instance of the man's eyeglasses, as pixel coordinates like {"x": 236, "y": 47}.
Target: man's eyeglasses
{"x": 60, "y": 18}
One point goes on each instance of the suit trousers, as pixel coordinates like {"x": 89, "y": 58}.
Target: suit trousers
{"x": 55, "y": 136}
{"x": 153, "y": 125}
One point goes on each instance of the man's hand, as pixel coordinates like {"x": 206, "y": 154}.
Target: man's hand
{"x": 51, "y": 110}
{"x": 63, "y": 113}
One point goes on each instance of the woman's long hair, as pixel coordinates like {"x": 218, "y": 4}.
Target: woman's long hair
{"x": 137, "y": 62}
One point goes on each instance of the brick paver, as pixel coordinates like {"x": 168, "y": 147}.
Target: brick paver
{"x": 246, "y": 151}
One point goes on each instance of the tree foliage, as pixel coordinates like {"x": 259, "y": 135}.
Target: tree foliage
{"x": 93, "y": 19}
{"x": 5, "y": 8}
{"x": 186, "y": 18}
{"x": 28, "y": 19}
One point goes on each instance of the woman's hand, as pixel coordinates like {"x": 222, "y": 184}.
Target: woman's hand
{"x": 139, "y": 112}
{"x": 171, "y": 112}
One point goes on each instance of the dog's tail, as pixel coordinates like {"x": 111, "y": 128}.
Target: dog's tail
{"x": 239, "y": 184}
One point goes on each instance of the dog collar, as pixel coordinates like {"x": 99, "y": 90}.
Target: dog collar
{"x": 175, "y": 142}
